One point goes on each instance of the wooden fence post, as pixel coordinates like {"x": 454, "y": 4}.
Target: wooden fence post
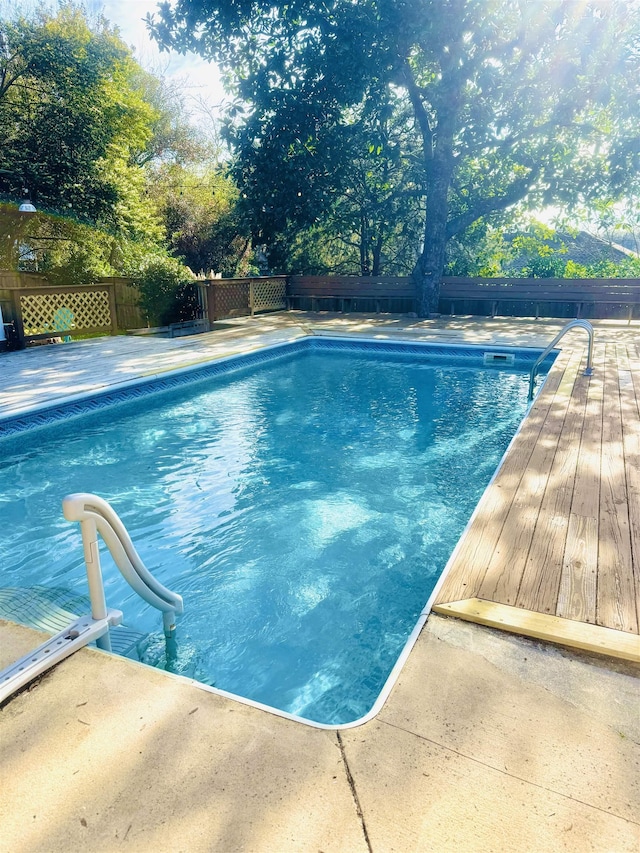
{"x": 111, "y": 290}
{"x": 17, "y": 319}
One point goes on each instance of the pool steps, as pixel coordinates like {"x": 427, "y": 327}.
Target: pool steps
{"x": 95, "y": 516}
{"x": 52, "y": 609}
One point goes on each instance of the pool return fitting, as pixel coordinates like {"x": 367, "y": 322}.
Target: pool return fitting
{"x": 95, "y": 516}
{"x": 574, "y": 324}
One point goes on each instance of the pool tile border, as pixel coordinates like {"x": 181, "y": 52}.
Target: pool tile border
{"x": 96, "y": 400}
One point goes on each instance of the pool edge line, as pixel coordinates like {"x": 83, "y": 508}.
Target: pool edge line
{"x": 300, "y": 338}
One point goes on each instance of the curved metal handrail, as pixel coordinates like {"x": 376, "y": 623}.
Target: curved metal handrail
{"x": 574, "y": 324}
{"x": 97, "y": 516}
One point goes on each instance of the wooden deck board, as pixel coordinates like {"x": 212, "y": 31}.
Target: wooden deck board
{"x": 557, "y": 534}
{"x": 616, "y": 593}
{"x": 578, "y": 581}
{"x": 630, "y": 405}
{"x": 540, "y": 582}
{"x": 513, "y": 544}
{"x": 541, "y": 626}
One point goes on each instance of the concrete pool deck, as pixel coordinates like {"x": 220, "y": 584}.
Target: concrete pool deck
{"x": 488, "y": 742}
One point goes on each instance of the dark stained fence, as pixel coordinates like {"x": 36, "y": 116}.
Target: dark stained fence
{"x": 374, "y": 294}
{"x": 590, "y": 298}
{"x": 517, "y": 297}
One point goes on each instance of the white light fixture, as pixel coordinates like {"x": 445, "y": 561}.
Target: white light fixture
{"x": 27, "y": 205}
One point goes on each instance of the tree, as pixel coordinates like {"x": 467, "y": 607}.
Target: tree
{"x": 202, "y": 219}
{"x": 479, "y": 250}
{"x": 60, "y": 109}
{"x": 372, "y": 221}
{"x": 511, "y": 100}
{"x": 98, "y": 142}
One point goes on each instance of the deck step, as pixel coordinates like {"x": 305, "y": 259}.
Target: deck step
{"x": 52, "y": 609}
{"x": 543, "y": 626}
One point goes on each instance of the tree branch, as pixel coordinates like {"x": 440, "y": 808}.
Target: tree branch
{"x": 516, "y": 191}
{"x": 419, "y": 110}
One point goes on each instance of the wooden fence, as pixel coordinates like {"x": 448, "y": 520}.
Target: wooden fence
{"x": 33, "y": 310}
{"x": 519, "y": 297}
{"x": 592, "y": 298}
{"x": 238, "y": 297}
{"x": 373, "y": 294}
{"x": 126, "y": 297}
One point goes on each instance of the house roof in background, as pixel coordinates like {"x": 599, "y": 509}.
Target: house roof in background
{"x": 581, "y": 247}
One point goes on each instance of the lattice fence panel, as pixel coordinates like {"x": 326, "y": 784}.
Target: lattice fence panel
{"x": 269, "y": 295}
{"x": 64, "y": 312}
{"x": 231, "y": 299}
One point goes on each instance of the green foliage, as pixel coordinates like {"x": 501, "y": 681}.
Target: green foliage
{"x": 509, "y": 100}
{"x": 166, "y": 291}
{"x": 101, "y": 146}
{"x": 81, "y": 265}
{"x": 372, "y": 222}
{"x": 629, "y": 268}
{"x": 58, "y": 109}
{"x": 202, "y": 219}
{"x": 536, "y": 250}
{"x": 481, "y": 250}
{"x": 542, "y": 260}
{"x": 77, "y": 122}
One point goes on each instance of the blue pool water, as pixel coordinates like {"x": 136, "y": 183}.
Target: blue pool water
{"x": 304, "y": 508}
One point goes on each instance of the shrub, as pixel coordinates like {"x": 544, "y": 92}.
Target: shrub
{"x": 167, "y": 292}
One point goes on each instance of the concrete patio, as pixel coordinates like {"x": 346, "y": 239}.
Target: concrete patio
{"x": 488, "y": 742}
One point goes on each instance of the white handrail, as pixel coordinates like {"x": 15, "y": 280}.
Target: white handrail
{"x": 97, "y": 516}
{"x": 579, "y": 324}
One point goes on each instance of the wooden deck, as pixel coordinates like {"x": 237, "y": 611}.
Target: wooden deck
{"x": 553, "y": 550}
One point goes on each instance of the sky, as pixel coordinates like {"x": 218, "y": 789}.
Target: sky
{"x": 200, "y": 78}
{"x": 197, "y": 78}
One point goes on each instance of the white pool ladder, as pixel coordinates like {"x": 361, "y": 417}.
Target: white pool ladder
{"x": 574, "y": 324}
{"x": 95, "y": 516}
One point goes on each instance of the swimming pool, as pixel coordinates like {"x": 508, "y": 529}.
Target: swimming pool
{"x": 303, "y": 501}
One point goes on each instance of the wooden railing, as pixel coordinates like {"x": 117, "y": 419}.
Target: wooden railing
{"x": 594, "y": 298}
{"x": 238, "y": 297}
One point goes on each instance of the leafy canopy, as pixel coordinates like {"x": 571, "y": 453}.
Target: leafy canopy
{"x": 510, "y": 99}
{"x": 104, "y": 148}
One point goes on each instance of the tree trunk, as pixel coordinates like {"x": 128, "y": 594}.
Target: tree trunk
{"x": 377, "y": 254}
{"x": 427, "y": 273}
